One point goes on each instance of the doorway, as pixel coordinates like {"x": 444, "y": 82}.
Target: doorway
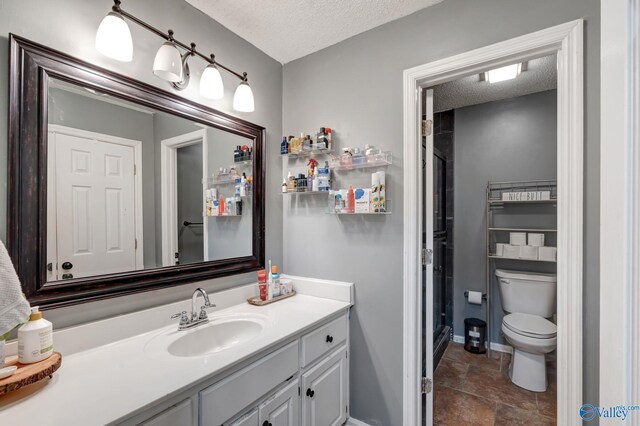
{"x": 189, "y": 163}
{"x": 565, "y": 41}
{"x": 183, "y": 210}
{"x": 94, "y": 201}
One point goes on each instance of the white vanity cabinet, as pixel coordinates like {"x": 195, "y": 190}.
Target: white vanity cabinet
{"x": 282, "y": 409}
{"x": 324, "y": 391}
{"x": 179, "y": 414}
{"x": 305, "y": 382}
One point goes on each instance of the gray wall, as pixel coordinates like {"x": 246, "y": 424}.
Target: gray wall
{"x": 360, "y": 85}
{"x": 70, "y": 26}
{"x": 513, "y": 139}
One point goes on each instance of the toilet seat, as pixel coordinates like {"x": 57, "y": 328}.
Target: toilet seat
{"x": 532, "y": 326}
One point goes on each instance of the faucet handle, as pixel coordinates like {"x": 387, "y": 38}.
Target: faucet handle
{"x": 183, "y": 317}
{"x": 203, "y": 308}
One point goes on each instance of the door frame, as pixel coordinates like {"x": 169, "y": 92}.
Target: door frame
{"x": 169, "y": 191}
{"x": 620, "y": 205}
{"x": 137, "y": 179}
{"x": 565, "y": 40}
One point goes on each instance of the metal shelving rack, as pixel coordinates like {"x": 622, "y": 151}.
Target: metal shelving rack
{"x": 495, "y": 202}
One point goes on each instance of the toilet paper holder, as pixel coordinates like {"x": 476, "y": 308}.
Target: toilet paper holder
{"x": 466, "y": 295}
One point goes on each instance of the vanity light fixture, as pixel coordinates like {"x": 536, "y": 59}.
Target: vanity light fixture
{"x": 503, "y": 73}
{"x": 113, "y": 39}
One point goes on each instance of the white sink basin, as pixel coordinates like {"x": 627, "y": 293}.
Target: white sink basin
{"x": 219, "y": 334}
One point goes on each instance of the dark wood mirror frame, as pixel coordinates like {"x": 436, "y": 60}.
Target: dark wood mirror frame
{"x": 31, "y": 67}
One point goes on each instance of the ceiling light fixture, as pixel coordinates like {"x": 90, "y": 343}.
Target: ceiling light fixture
{"x": 504, "y": 73}
{"x": 113, "y": 39}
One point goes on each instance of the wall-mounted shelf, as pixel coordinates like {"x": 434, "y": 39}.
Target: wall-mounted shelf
{"x": 493, "y": 256}
{"x": 521, "y": 230}
{"x": 227, "y": 215}
{"x": 382, "y": 160}
{"x": 242, "y": 163}
{"x": 326, "y": 193}
{"x": 500, "y": 202}
{"x": 309, "y": 153}
{"x": 359, "y": 214}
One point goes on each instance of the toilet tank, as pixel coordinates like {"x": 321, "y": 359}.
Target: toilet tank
{"x": 527, "y": 292}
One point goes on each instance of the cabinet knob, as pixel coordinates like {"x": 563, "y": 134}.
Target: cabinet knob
{"x": 67, "y": 265}
{"x": 329, "y": 338}
{"x": 67, "y": 276}
{"x": 310, "y": 393}
{"x": 266, "y": 423}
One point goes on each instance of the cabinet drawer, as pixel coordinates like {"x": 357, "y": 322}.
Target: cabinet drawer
{"x": 225, "y": 399}
{"x": 322, "y": 340}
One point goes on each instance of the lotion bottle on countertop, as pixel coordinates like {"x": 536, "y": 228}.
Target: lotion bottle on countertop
{"x": 35, "y": 339}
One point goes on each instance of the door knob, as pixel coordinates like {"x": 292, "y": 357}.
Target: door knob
{"x": 67, "y": 265}
{"x": 67, "y": 276}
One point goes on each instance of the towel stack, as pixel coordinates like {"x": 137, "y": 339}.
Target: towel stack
{"x": 14, "y": 308}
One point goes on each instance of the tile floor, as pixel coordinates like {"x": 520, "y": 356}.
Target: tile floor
{"x": 474, "y": 390}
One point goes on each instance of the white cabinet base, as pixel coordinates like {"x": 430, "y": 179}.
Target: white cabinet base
{"x": 324, "y": 391}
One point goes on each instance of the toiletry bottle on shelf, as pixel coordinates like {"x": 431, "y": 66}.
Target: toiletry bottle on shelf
{"x": 291, "y": 183}
{"x": 214, "y": 209}
{"x": 328, "y": 133}
{"x": 237, "y": 153}
{"x": 358, "y": 157}
{"x": 314, "y": 182}
{"x": 382, "y": 202}
{"x": 301, "y": 183}
{"x": 375, "y": 192}
{"x": 237, "y": 186}
{"x": 306, "y": 143}
{"x": 238, "y": 205}
{"x": 35, "y": 339}
{"x": 262, "y": 284}
{"x": 284, "y": 186}
{"x": 284, "y": 149}
{"x": 321, "y": 139}
{"x": 221, "y": 207}
{"x": 346, "y": 157}
{"x": 323, "y": 178}
{"x": 351, "y": 200}
{"x": 243, "y": 186}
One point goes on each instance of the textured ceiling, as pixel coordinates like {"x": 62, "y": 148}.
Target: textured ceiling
{"x": 290, "y": 29}
{"x": 541, "y": 75}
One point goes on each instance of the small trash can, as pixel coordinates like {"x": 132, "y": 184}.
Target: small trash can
{"x": 475, "y": 335}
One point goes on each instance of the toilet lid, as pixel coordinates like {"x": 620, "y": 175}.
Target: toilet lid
{"x": 530, "y": 325}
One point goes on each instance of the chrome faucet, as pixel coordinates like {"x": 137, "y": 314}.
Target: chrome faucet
{"x": 197, "y": 317}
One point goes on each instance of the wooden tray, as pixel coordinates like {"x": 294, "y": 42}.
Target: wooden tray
{"x": 256, "y": 300}
{"x": 27, "y": 374}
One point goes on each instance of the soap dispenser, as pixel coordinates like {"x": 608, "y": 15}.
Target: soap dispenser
{"x": 35, "y": 339}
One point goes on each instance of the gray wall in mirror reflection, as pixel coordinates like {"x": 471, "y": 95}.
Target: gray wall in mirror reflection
{"x": 189, "y": 181}
{"x": 85, "y": 113}
{"x": 70, "y": 26}
{"x": 227, "y": 237}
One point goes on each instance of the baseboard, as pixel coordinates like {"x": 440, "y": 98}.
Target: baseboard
{"x": 498, "y": 347}
{"x": 355, "y": 422}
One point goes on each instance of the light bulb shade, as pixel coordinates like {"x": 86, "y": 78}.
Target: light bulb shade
{"x": 211, "y": 86}
{"x": 168, "y": 63}
{"x": 243, "y": 98}
{"x": 113, "y": 38}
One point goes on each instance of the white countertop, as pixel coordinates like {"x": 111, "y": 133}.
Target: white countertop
{"x": 107, "y": 383}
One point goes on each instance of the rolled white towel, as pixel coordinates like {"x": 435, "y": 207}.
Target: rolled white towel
{"x": 14, "y": 308}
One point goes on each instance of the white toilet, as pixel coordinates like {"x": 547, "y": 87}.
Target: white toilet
{"x": 529, "y": 299}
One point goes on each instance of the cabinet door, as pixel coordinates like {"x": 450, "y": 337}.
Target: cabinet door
{"x": 178, "y": 415}
{"x": 324, "y": 391}
{"x": 282, "y": 408}
{"x": 249, "y": 419}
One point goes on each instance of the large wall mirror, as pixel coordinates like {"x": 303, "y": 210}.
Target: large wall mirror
{"x": 116, "y": 186}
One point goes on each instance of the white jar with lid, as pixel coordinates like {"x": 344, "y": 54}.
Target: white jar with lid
{"x": 35, "y": 339}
